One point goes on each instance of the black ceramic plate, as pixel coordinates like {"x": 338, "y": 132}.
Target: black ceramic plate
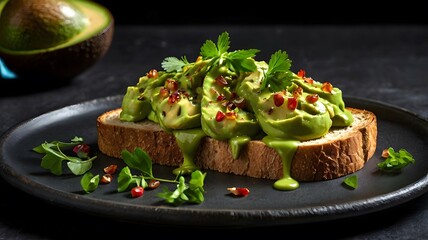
{"x": 264, "y": 206}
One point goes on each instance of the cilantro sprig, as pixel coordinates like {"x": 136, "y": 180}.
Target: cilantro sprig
{"x": 278, "y": 75}
{"x": 54, "y": 156}
{"x": 173, "y": 64}
{"x": 238, "y": 60}
{"x": 396, "y": 161}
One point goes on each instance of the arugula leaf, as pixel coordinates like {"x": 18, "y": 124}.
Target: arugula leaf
{"x": 351, "y": 181}
{"x": 173, "y": 64}
{"x": 89, "y": 182}
{"x": 396, "y": 161}
{"x": 237, "y": 60}
{"x": 54, "y": 156}
{"x": 278, "y": 75}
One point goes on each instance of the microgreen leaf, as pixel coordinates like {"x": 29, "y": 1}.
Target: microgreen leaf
{"x": 89, "y": 182}
{"x": 139, "y": 160}
{"x": 80, "y": 167}
{"x": 396, "y": 161}
{"x": 278, "y": 76}
{"x": 54, "y": 156}
{"x": 125, "y": 179}
{"x": 190, "y": 193}
{"x": 177, "y": 196}
{"x": 173, "y": 64}
{"x": 351, "y": 181}
{"x": 53, "y": 163}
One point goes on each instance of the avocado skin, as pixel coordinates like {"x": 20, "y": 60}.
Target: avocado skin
{"x": 61, "y": 63}
{"x": 65, "y": 63}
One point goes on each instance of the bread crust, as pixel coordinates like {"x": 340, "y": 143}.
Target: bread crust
{"x": 341, "y": 152}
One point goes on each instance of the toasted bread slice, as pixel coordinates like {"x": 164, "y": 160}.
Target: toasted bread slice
{"x": 340, "y": 152}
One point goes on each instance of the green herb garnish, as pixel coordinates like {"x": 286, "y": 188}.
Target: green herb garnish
{"x": 278, "y": 75}
{"x": 396, "y": 161}
{"x": 351, "y": 181}
{"x": 141, "y": 161}
{"x": 238, "y": 60}
{"x": 173, "y": 64}
{"x": 190, "y": 193}
{"x": 89, "y": 182}
{"x": 54, "y": 156}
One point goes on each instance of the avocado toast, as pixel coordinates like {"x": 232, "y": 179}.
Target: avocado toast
{"x": 230, "y": 113}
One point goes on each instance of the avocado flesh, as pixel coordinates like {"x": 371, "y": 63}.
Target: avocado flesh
{"x": 99, "y": 20}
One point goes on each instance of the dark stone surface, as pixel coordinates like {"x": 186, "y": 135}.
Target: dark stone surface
{"x": 386, "y": 63}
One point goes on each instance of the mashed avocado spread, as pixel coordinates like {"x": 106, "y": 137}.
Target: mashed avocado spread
{"x": 229, "y": 96}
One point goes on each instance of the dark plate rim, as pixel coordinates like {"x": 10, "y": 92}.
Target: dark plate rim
{"x": 138, "y": 214}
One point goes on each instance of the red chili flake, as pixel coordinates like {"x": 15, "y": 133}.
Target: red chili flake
{"x": 239, "y": 102}
{"x": 231, "y": 115}
{"x": 301, "y": 73}
{"x": 220, "y": 80}
{"x": 171, "y": 84}
{"x": 327, "y": 87}
{"x": 221, "y": 97}
{"x": 82, "y": 150}
{"x": 153, "y": 183}
{"x": 292, "y": 103}
{"x": 278, "y": 99}
{"x": 230, "y": 106}
{"x": 106, "y": 178}
{"x": 111, "y": 169}
{"x": 308, "y": 80}
{"x": 137, "y": 192}
{"x": 175, "y": 97}
{"x": 153, "y": 73}
{"x": 385, "y": 153}
{"x": 220, "y": 116}
{"x": 297, "y": 92}
{"x": 312, "y": 98}
{"x": 164, "y": 92}
{"x": 239, "y": 191}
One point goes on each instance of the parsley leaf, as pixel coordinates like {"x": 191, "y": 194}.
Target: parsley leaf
{"x": 278, "y": 75}
{"x": 173, "y": 64}
{"x": 396, "y": 161}
{"x": 239, "y": 60}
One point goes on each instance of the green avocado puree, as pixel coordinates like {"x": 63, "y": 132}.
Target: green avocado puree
{"x": 214, "y": 98}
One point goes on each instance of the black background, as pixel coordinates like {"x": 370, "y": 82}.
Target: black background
{"x": 384, "y": 63}
{"x": 267, "y": 12}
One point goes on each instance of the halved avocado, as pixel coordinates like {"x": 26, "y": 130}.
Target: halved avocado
{"x": 77, "y": 34}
